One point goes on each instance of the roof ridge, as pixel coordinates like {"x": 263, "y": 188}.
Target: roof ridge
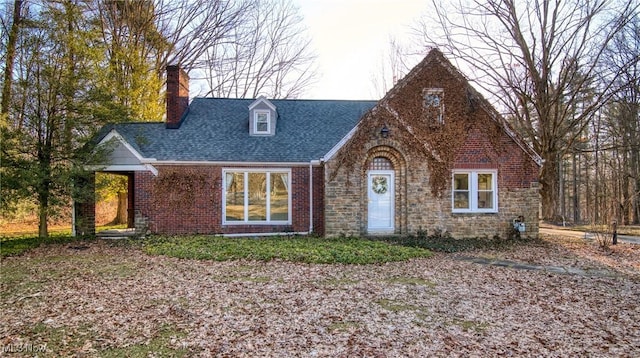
{"x": 289, "y": 99}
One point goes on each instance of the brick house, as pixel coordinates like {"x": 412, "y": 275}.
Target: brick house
{"x": 431, "y": 155}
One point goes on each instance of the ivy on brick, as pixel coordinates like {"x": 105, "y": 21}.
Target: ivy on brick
{"x": 177, "y": 187}
{"x": 414, "y": 130}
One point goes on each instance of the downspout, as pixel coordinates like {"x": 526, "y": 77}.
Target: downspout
{"x": 311, "y": 163}
{"x": 310, "y": 197}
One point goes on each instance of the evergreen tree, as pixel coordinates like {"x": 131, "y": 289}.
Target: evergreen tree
{"x": 57, "y": 106}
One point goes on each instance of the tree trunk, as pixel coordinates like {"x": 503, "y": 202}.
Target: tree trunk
{"x": 43, "y": 207}
{"x": 635, "y": 169}
{"x": 121, "y": 214}
{"x": 576, "y": 193}
{"x": 10, "y": 58}
{"x": 549, "y": 187}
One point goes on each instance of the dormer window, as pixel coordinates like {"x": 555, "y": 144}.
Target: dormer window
{"x": 263, "y": 116}
{"x": 434, "y": 105}
{"x": 262, "y": 121}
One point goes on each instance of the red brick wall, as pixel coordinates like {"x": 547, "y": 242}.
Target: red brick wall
{"x": 168, "y": 213}
{"x": 177, "y": 95}
{"x": 318, "y": 201}
{"x": 515, "y": 167}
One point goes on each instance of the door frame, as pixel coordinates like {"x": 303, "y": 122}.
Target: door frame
{"x": 392, "y": 192}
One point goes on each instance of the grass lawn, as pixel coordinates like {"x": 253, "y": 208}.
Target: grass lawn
{"x": 295, "y": 249}
{"x": 18, "y": 241}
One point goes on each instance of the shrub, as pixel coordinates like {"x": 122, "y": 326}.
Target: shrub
{"x": 344, "y": 250}
{"x": 444, "y": 242}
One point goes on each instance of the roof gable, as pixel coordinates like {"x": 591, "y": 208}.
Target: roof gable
{"x": 262, "y": 101}
{"x": 435, "y": 59}
{"x": 263, "y": 117}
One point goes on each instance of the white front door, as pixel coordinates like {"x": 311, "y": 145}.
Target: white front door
{"x": 381, "y": 193}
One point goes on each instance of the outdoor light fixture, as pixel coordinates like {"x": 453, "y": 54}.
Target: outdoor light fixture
{"x": 384, "y": 132}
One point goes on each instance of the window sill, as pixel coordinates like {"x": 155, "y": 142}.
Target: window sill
{"x": 474, "y": 212}
{"x": 256, "y": 223}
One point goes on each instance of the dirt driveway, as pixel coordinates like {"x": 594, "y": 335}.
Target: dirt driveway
{"x": 105, "y": 300}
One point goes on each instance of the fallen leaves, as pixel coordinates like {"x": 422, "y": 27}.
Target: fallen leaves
{"x": 115, "y": 299}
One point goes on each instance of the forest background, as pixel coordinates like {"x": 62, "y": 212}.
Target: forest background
{"x": 565, "y": 74}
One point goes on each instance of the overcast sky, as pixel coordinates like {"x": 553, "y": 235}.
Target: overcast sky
{"x": 350, "y": 38}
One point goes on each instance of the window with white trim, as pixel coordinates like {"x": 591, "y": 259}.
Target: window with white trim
{"x": 474, "y": 191}
{"x": 262, "y": 122}
{"x": 256, "y": 196}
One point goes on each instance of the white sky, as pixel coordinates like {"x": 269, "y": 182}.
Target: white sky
{"x": 350, "y": 38}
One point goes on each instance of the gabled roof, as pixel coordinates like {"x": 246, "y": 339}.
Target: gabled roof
{"x": 435, "y": 55}
{"x": 217, "y": 130}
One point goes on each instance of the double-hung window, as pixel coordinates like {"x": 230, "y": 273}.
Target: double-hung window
{"x": 262, "y": 122}
{"x": 256, "y": 196}
{"x": 474, "y": 191}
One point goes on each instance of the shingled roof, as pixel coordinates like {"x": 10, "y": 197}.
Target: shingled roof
{"x": 217, "y": 130}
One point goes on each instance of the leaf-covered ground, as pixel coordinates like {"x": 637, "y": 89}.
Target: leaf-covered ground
{"x": 114, "y": 300}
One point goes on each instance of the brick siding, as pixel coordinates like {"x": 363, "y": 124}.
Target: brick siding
{"x": 417, "y": 208}
{"x": 486, "y": 146}
{"x": 169, "y": 214}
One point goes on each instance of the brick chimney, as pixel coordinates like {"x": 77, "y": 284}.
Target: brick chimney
{"x": 177, "y": 95}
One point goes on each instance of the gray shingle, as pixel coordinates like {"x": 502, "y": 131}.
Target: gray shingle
{"x": 217, "y": 129}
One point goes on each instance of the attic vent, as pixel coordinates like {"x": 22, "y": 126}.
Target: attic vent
{"x": 434, "y": 105}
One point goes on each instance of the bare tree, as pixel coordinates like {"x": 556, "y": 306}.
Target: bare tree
{"x": 394, "y": 64}
{"x": 10, "y": 54}
{"x": 624, "y": 120}
{"x": 192, "y": 27}
{"x": 267, "y": 54}
{"x": 537, "y": 57}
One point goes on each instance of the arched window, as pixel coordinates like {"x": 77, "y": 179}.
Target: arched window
{"x": 380, "y": 163}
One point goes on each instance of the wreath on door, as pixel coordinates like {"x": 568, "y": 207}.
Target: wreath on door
{"x": 379, "y": 185}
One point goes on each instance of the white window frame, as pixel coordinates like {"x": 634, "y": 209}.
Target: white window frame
{"x": 246, "y": 172}
{"x": 473, "y": 191}
{"x": 256, "y": 115}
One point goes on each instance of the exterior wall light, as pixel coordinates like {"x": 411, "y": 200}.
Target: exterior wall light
{"x": 384, "y": 132}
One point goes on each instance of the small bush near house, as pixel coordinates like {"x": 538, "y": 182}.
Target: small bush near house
{"x": 444, "y": 242}
{"x": 295, "y": 249}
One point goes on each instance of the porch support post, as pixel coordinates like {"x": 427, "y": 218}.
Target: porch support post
{"x": 84, "y": 205}
{"x": 131, "y": 214}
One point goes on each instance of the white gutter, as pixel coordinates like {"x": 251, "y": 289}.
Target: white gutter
{"x": 310, "y": 197}
{"x": 223, "y": 163}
